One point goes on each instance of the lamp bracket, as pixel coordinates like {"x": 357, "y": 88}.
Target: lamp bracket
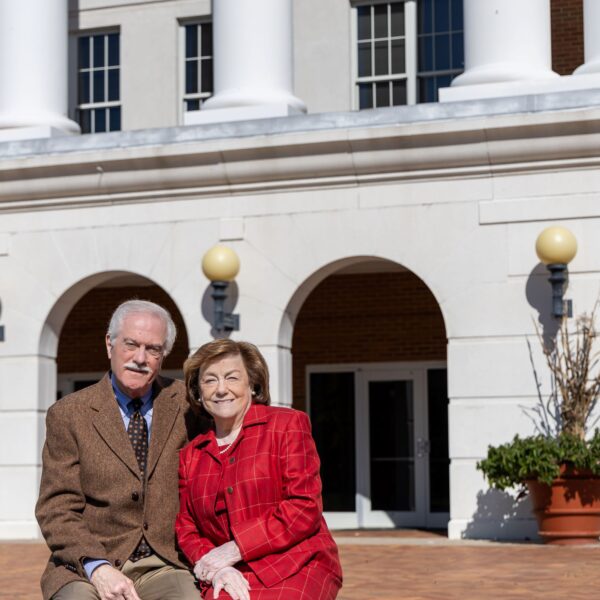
{"x": 558, "y": 277}
{"x": 568, "y": 308}
{"x": 223, "y": 321}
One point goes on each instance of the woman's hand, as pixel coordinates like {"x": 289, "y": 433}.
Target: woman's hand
{"x": 225, "y": 555}
{"x": 233, "y": 582}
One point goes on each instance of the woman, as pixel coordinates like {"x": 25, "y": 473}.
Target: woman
{"x": 250, "y": 517}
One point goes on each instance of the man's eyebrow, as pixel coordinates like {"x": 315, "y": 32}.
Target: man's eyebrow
{"x": 158, "y": 346}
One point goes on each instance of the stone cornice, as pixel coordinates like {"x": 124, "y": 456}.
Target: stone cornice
{"x": 331, "y": 150}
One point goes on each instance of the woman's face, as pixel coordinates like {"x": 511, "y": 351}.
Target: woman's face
{"x": 225, "y": 390}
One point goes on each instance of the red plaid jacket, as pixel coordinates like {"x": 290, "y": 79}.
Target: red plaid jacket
{"x": 270, "y": 479}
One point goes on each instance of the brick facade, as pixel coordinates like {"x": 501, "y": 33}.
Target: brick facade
{"x": 567, "y": 35}
{"x": 375, "y": 317}
{"x": 81, "y": 347}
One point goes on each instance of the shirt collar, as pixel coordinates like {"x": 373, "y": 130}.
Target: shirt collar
{"x": 124, "y": 399}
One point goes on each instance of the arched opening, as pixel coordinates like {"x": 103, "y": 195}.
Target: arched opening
{"x": 81, "y": 355}
{"x": 369, "y": 366}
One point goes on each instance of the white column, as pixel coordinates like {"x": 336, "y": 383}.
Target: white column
{"x": 253, "y": 60}
{"x": 27, "y": 389}
{"x": 279, "y": 361}
{"x": 34, "y": 68}
{"x": 591, "y": 36}
{"x": 506, "y": 40}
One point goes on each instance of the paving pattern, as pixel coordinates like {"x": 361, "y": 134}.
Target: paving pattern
{"x": 408, "y": 565}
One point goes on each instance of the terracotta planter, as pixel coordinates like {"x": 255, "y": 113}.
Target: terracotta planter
{"x": 568, "y": 511}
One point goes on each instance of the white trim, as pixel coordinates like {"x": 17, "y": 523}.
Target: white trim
{"x": 354, "y": 98}
{"x": 411, "y": 50}
{"x": 377, "y": 366}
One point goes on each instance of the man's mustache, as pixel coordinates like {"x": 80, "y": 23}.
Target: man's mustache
{"x": 131, "y": 366}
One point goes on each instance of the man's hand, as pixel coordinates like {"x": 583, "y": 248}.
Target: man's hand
{"x": 233, "y": 582}
{"x": 111, "y": 584}
{"x": 226, "y": 555}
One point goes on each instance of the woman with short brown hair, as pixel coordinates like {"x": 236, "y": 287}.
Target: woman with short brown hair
{"x": 250, "y": 519}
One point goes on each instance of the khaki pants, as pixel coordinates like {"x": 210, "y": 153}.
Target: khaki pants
{"x": 154, "y": 579}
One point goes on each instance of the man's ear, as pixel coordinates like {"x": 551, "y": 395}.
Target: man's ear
{"x": 108, "y": 346}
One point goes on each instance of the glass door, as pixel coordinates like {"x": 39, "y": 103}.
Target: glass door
{"x": 391, "y": 466}
{"x": 382, "y": 436}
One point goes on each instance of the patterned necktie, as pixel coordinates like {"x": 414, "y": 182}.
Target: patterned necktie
{"x": 138, "y": 434}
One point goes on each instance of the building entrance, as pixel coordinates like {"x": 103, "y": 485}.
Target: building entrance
{"x": 381, "y": 431}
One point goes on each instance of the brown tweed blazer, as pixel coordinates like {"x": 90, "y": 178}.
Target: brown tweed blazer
{"x": 93, "y": 501}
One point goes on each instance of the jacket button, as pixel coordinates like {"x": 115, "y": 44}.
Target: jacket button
{"x": 135, "y": 496}
{"x": 231, "y": 460}
{"x": 145, "y": 525}
{"x": 230, "y": 490}
{"x": 117, "y": 563}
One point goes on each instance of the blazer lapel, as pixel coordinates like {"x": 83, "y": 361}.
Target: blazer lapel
{"x": 109, "y": 424}
{"x": 164, "y": 414}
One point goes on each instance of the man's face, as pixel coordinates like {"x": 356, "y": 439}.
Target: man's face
{"x": 137, "y": 352}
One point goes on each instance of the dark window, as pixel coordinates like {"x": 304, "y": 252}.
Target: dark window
{"x": 439, "y": 463}
{"x": 391, "y": 433}
{"x": 332, "y": 417}
{"x": 381, "y": 54}
{"x": 440, "y": 46}
{"x": 383, "y": 36}
{"x": 98, "y": 83}
{"x": 198, "y": 85}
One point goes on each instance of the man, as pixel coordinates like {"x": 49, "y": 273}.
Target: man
{"x": 108, "y": 495}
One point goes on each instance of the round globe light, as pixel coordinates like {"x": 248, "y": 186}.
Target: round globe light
{"x": 556, "y": 245}
{"x": 220, "y": 263}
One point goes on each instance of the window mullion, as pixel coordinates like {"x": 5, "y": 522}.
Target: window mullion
{"x": 410, "y": 40}
{"x": 199, "y": 57}
{"x": 372, "y": 42}
{"x": 106, "y": 110}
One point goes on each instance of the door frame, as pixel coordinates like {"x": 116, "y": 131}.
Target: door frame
{"x": 356, "y": 519}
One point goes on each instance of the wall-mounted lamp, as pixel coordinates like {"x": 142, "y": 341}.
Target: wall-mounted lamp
{"x": 556, "y": 248}
{"x": 221, "y": 264}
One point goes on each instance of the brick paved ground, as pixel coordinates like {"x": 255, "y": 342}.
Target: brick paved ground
{"x": 407, "y": 566}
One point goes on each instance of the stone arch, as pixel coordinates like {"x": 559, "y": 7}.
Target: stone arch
{"x": 85, "y": 329}
{"x": 367, "y": 333}
{"x": 307, "y": 286}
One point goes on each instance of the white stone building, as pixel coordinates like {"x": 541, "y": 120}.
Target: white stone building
{"x": 445, "y": 198}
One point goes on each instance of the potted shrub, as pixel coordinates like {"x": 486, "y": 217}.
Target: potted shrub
{"x": 560, "y": 468}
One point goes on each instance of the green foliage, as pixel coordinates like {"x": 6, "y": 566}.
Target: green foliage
{"x": 539, "y": 457}
{"x": 574, "y": 365}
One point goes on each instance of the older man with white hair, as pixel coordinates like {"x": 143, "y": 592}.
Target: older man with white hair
{"x": 108, "y": 495}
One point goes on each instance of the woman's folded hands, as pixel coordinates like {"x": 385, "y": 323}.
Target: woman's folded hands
{"x": 216, "y": 567}
{"x": 226, "y": 555}
{"x": 233, "y": 582}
